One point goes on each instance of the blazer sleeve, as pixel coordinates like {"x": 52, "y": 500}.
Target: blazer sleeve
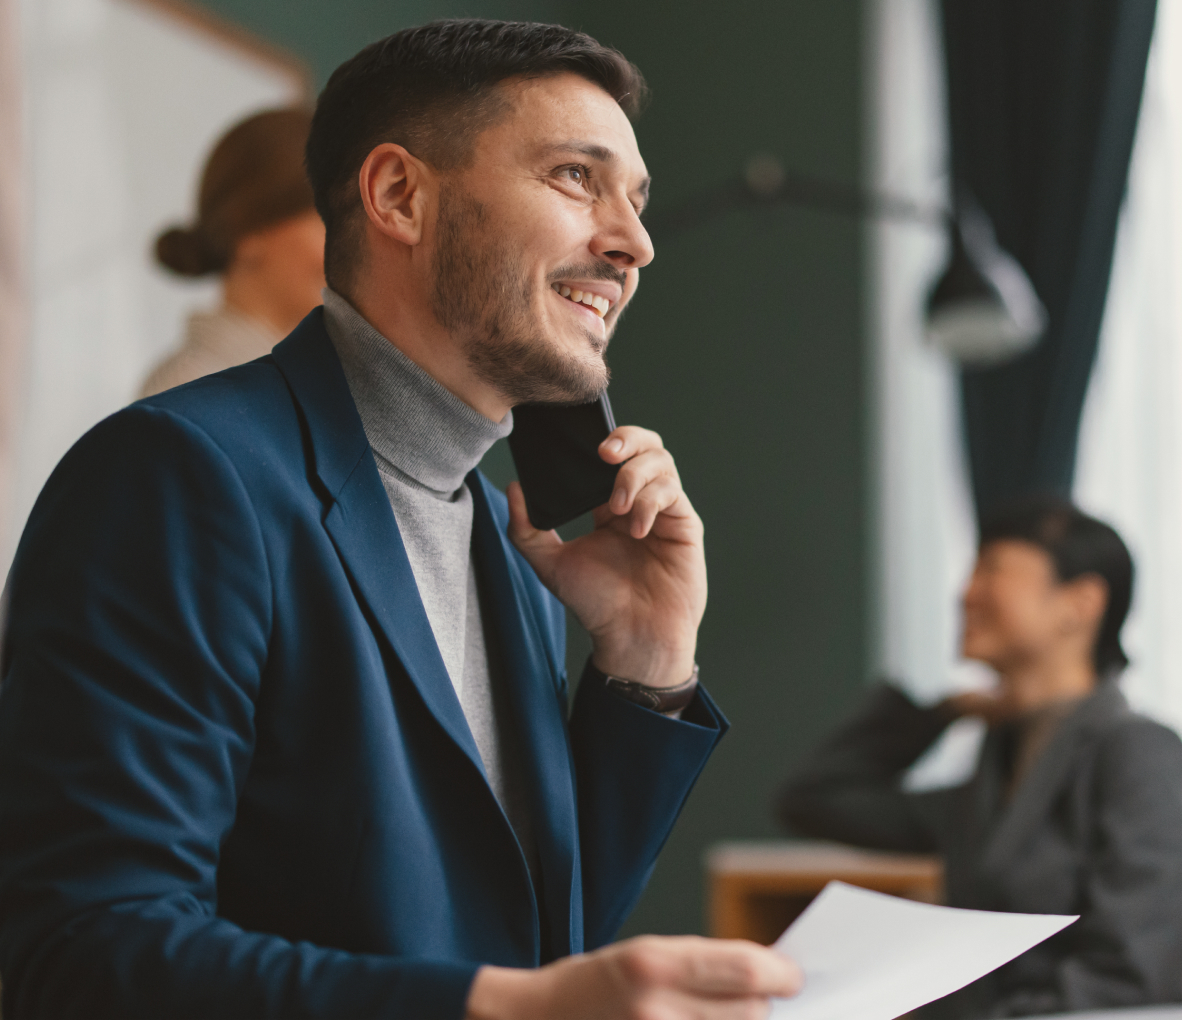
{"x": 847, "y": 788}
{"x": 634, "y": 769}
{"x": 1126, "y": 948}
{"x": 139, "y": 620}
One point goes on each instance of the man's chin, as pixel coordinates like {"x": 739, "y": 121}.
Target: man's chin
{"x": 579, "y": 377}
{"x": 540, "y": 371}
{"x": 577, "y": 384}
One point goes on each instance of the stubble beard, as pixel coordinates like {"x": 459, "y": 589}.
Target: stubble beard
{"x": 483, "y": 294}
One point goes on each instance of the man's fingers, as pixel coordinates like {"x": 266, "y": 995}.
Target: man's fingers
{"x": 710, "y": 968}
{"x": 646, "y": 487}
{"x": 737, "y": 969}
{"x": 627, "y": 441}
{"x": 641, "y": 470}
{"x": 654, "y": 498}
{"x": 647, "y": 483}
{"x": 697, "y": 1008}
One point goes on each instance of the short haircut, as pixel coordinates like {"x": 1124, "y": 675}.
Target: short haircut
{"x": 433, "y": 89}
{"x": 1077, "y": 545}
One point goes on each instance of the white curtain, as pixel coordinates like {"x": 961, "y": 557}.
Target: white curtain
{"x": 12, "y": 259}
{"x": 926, "y": 529}
{"x": 1130, "y": 453}
{"x": 123, "y": 101}
{"x": 1129, "y": 470}
{"x": 925, "y": 526}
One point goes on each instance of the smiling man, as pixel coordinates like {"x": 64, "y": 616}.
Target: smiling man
{"x": 283, "y": 724}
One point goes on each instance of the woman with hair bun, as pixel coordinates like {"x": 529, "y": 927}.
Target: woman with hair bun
{"x": 257, "y": 228}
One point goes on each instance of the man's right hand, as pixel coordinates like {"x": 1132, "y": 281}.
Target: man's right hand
{"x": 646, "y": 978}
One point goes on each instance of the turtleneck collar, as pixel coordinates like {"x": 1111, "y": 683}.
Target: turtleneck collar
{"x": 411, "y": 420}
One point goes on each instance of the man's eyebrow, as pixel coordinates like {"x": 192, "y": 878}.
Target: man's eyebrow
{"x": 599, "y": 153}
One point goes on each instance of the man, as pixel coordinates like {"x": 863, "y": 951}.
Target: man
{"x": 283, "y": 728}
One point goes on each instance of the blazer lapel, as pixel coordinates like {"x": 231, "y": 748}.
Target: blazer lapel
{"x": 539, "y": 711}
{"x": 362, "y": 525}
{"x": 1032, "y": 800}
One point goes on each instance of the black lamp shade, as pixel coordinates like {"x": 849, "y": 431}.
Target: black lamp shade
{"x": 983, "y": 310}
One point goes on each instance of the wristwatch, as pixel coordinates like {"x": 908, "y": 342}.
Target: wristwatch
{"x": 659, "y": 699}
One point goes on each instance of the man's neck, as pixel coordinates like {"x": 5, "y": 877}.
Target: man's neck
{"x": 414, "y": 424}
{"x": 413, "y": 328}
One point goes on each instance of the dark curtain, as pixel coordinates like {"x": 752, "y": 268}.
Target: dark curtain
{"x": 1043, "y": 98}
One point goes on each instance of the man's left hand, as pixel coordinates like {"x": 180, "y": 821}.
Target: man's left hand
{"x": 637, "y": 582}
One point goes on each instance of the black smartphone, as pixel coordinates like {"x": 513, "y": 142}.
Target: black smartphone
{"x": 556, "y": 450}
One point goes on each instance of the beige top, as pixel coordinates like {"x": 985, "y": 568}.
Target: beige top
{"x": 213, "y": 341}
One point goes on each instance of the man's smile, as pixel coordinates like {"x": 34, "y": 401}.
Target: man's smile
{"x": 581, "y": 294}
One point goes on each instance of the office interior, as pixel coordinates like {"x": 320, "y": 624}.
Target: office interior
{"x": 779, "y": 345}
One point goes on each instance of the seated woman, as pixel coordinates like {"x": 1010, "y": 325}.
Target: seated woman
{"x": 1076, "y": 803}
{"x": 256, "y": 229}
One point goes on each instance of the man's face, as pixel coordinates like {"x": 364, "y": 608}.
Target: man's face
{"x": 538, "y": 242}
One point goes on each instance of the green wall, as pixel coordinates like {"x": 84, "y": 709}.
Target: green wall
{"x": 744, "y": 350}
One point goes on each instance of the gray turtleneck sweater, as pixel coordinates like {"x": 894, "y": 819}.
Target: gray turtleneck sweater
{"x": 425, "y": 441}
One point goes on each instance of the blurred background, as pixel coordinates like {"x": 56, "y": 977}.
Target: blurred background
{"x": 781, "y": 343}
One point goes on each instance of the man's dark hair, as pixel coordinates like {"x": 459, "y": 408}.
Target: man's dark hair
{"x": 433, "y": 89}
{"x": 1077, "y": 545}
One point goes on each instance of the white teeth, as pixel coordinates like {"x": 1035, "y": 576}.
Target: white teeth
{"x": 600, "y": 305}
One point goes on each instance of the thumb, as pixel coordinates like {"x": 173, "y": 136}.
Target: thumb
{"x": 538, "y": 547}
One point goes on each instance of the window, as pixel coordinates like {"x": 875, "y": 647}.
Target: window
{"x": 1129, "y": 469}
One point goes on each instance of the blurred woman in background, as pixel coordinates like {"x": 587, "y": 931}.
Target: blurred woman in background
{"x": 257, "y": 228}
{"x": 1076, "y": 803}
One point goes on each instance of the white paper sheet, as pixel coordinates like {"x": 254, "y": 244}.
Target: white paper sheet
{"x": 875, "y": 957}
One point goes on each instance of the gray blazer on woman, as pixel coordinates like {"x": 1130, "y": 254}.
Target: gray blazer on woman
{"x": 1094, "y": 828}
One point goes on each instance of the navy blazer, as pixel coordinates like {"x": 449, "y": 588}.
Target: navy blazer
{"x": 235, "y": 779}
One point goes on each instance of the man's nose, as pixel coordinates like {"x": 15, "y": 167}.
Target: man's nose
{"x": 623, "y": 240}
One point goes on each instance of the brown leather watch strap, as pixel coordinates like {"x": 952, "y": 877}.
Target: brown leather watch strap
{"x": 659, "y": 699}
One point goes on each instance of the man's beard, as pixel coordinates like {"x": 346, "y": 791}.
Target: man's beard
{"x": 484, "y": 296}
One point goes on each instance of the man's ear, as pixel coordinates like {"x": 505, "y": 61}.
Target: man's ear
{"x": 394, "y": 188}
{"x": 1089, "y": 598}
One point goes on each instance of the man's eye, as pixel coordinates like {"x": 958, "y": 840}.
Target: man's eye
{"x": 577, "y": 174}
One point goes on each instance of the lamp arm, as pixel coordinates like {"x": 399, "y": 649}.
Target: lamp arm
{"x": 766, "y": 185}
